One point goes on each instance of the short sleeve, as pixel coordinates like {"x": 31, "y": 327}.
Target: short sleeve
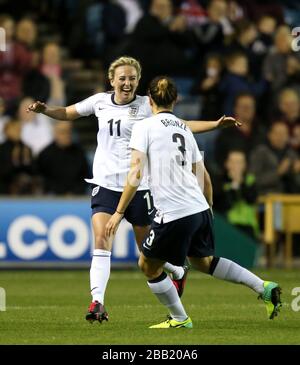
{"x": 139, "y": 137}
{"x": 87, "y": 106}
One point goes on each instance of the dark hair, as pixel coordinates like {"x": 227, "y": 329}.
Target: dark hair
{"x": 163, "y": 91}
{"x": 243, "y": 94}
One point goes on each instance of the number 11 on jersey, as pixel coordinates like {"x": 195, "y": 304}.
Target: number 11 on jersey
{"x": 118, "y": 123}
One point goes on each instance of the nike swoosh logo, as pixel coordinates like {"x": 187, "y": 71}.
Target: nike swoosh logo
{"x": 151, "y": 211}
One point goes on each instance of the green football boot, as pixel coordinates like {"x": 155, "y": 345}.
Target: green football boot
{"x": 271, "y": 297}
{"x": 172, "y": 323}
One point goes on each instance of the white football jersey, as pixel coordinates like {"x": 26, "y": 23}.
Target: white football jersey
{"x": 112, "y": 157}
{"x": 171, "y": 150}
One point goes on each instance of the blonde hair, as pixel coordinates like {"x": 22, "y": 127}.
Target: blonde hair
{"x": 124, "y": 61}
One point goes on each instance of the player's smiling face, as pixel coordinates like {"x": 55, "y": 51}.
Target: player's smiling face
{"x": 125, "y": 83}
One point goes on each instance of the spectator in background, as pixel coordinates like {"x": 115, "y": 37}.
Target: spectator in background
{"x": 15, "y": 62}
{"x": 35, "y": 84}
{"x": 105, "y": 24}
{"x": 36, "y": 128}
{"x": 207, "y": 85}
{"x": 244, "y": 138}
{"x": 273, "y": 162}
{"x": 266, "y": 26}
{"x": 275, "y": 64}
{"x": 289, "y": 107}
{"x": 159, "y": 41}
{"x": 63, "y": 165}
{"x": 212, "y": 33}
{"x": 236, "y": 80}
{"x": 16, "y": 171}
{"x": 51, "y": 68}
{"x": 289, "y": 112}
{"x": 246, "y": 34}
{"x": 235, "y": 194}
{"x": 26, "y": 33}
{"x": 3, "y": 120}
{"x": 293, "y": 73}
{"x": 254, "y": 8}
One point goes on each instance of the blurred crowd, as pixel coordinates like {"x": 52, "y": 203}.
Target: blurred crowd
{"x": 237, "y": 58}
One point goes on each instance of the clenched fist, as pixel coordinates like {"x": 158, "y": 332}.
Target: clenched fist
{"x": 37, "y": 107}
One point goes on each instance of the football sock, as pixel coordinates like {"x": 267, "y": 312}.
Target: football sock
{"x": 165, "y": 291}
{"x": 99, "y": 274}
{"x": 176, "y": 271}
{"x": 225, "y": 269}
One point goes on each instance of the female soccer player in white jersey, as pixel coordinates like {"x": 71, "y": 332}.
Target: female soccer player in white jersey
{"x": 117, "y": 113}
{"x": 183, "y": 223}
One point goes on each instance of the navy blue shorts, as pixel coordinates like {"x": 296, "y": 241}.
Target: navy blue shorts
{"x": 140, "y": 211}
{"x": 190, "y": 236}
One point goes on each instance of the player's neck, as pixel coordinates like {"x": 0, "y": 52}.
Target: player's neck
{"x": 157, "y": 110}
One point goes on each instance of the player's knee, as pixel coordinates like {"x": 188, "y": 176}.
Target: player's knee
{"x": 147, "y": 270}
{"x": 206, "y": 263}
{"x": 101, "y": 242}
{"x": 203, "y": 264}
{"x": 144, "y": 267}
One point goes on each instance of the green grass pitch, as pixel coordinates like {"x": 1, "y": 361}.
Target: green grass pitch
{"x": 48, "y": 307}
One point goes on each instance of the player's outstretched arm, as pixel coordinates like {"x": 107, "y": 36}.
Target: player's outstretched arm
{"x": 201, "y": 126}
{"x": 132, "y": 183}
{"x": 55, "y": 112}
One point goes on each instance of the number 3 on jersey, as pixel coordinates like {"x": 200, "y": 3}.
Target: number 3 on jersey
{"x": 111, "y": 127}
{"x": 179, "y": 139}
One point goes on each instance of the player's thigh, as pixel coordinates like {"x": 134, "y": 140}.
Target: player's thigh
{"x": 99, "y": 221}
{"x": 140, "y": 233}
{"x": 140, "y": 211}
{"x": 201, "y": 263}
{"x": 151, "y": 267}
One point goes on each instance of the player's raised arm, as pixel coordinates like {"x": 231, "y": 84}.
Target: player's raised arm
{"x": 201, "y": 126}
{"x": 55, "y": 112}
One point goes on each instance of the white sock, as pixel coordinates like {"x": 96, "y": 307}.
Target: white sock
{"x": 167, "y": 294}
{"x": 99, "y": 274}
{"x": 229, "y": 270}
{"x": 176, "y": 271}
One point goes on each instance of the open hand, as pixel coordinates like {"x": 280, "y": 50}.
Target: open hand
{"x": 113, "y": 224}
{"x": 225, "y": 122}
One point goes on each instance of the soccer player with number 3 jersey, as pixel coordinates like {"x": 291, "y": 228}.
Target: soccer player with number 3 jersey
{"x": 183, "y": 197}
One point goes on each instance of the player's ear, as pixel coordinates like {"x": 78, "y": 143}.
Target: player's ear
{"x": 150, "y": 101}
{"x": 111, "y": 81}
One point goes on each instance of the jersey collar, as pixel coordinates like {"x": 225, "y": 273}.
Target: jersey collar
{"x": 166, "y": 112}
{"x": 113, "y": 100}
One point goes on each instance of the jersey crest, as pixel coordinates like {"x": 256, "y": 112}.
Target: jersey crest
{"x": 133, "y": 111}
